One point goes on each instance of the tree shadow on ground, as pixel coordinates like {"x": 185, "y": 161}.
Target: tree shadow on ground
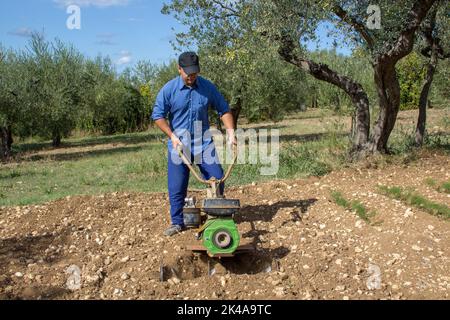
{"x": 20, "y": 252}
{"x": 263, "y": 259}
{"x": 266, "y": 126}
{"x": 127, "y": 139}
{"x": 79, "y": 155}
{"x": 266, "y": 212}
{"x": 254, "y": 260}
{"x": 259, "y": 261}
{"x": 309, "y": 137}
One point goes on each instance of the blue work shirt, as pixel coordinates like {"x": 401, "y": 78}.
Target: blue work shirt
{"x": 185, "y": 105}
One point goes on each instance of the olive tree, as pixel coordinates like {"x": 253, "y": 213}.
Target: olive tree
{"x": 288, "y": 23}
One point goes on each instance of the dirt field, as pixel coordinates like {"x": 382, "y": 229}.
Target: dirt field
{"x": 307, "y": 246}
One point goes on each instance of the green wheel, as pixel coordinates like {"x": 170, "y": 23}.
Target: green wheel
{"x": 221, "y": 236}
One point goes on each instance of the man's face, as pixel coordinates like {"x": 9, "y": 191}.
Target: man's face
{"x": 188, "y": 80}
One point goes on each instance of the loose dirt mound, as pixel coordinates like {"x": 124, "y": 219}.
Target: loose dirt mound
{"x": 307, "y": 246}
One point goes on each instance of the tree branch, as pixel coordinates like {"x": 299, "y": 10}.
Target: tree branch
{"x": 357, "y": 25}
{"x": 224, "y": 7}
{"x": 433, "y": 42}
{"x": 405, "y": 41}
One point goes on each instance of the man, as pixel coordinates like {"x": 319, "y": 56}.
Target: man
{"x": 185, "y": 101}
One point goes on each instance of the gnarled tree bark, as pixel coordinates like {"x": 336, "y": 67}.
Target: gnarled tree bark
{"x": 386, "y": 80}
{"x": 434, "y": 52}
{"x": 352, "y": 88}
{"x": 7, "y": 141}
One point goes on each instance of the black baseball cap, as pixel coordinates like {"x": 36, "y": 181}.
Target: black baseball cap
{"x": 189, "y": 62}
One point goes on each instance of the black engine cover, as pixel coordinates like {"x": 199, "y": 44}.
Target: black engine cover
{"x": 220, "y": 206}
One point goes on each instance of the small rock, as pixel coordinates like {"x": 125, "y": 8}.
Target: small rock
{"x": 18, "y": 274}
{"x": 125, "y": 276}
{"x": 118, "y": 292}
{"x": 279, "y": 291}
{"x": 174, "y": 281}
{"x": 93, "y": 279}
{"x": 340, "y": 288}
{"x": 408, "y": 213}
{"x": 223, "y": 281}
{"x": 276, "y": 282}
{"x": 407, "y": 284}
{"x": 125, "y": 259}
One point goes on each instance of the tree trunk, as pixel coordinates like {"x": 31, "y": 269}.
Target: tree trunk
{"x": 432, "y": 52}
{"x": 10, "y": 138}
{"x": 337, "y": 102}
{"x": 388, "y": 90}
{"x": 354, "y": 89}
{"x": 7, "y": 141}
{"x": 315, "y": 102}
{"x": 236, "y": 111}
{"x": 422, "y": 119}
{"x": 386, "y": 81}
{"x": 56, "y": 140}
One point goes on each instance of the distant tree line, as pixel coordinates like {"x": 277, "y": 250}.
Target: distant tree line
{"x": 247, "y": 29}
{"x": 50, "y": 89}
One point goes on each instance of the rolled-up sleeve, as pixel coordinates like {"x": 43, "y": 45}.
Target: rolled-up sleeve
{"x": 219, "y": 103}
{"x": 161, "y": 108}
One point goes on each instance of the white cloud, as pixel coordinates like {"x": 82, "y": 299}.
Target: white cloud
{"x": 129, "y": 20}
{"x": 106, "y": 35}
{"x": 105, "y": 42}
{"x": 95, "y": 3}
{"x": 106, "y": 39}
{"x": 21, "y": 32}
{"x": 125, "y": 58}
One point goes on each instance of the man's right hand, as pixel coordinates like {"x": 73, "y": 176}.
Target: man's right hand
{"x": 175, "y": 141}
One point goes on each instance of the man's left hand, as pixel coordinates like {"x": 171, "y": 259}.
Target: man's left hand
{"x": 231, "y": 138}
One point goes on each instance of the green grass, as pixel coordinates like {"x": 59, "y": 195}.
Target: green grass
{"x": 444, "y": 187}
{"x": 412, "y": 198}
{"x": 138, "y": 163}
{"x": 354, "y": 205}
{"x": 312, "y": 144}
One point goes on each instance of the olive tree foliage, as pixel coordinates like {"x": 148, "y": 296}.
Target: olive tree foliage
{"x": 289, "y": 23}
{"x": 434, "y": 46}
{"x": 58, "y": 72}
{"x": 115, "y": 103}
{"x": 16, "y": 109}
{"x": 325, "y": 95}
{"x": 149, "y": 78}
{"x": 411, "y": 73}
{"x": 256, "y": 84}
{"x": 247, "y": 71}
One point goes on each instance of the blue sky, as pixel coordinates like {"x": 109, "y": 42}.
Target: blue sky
{"x": 125, "y": 30}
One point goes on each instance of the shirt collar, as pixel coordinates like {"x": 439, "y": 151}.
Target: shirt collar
{"x": 181, "y": 84}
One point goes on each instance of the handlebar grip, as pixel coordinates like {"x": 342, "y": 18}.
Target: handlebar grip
{"x": 179, "y": 148}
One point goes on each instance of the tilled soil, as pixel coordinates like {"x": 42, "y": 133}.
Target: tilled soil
{"x": 307, "y": 246}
